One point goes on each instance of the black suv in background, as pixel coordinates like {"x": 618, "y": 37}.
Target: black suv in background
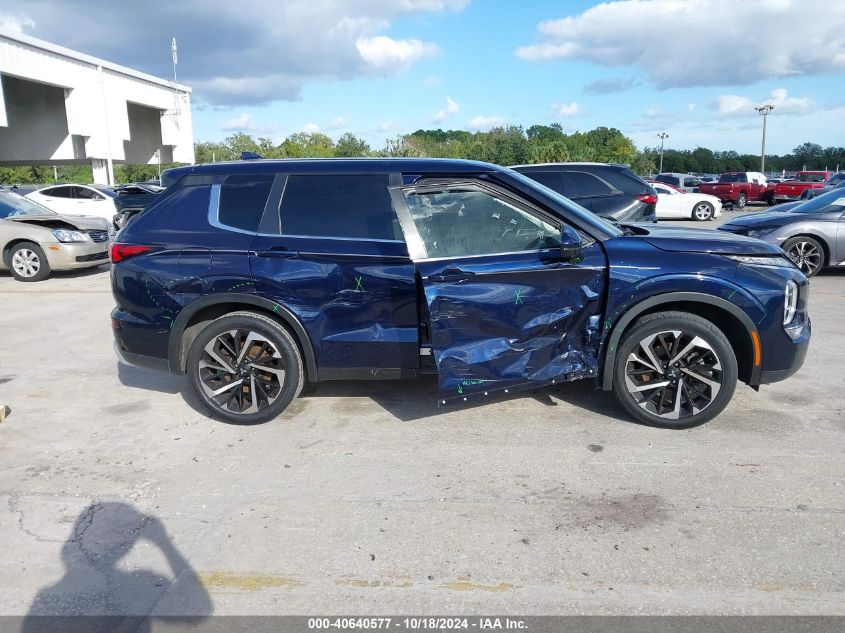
{"x": 611, "y": 191}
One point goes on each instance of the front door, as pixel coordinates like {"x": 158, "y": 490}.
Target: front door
{"x": 506, "y": 310}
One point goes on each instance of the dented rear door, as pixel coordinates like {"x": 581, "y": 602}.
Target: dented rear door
{"x": 506, "y": 311}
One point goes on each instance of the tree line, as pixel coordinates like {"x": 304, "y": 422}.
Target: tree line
{"x": 507, "y": 145}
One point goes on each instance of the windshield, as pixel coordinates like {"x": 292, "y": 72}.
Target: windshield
{"x": 809, "y": 177}
{"x": 13, "y": 205}
{"x": 827, "y": 203}
{"x": 586, "y": 214}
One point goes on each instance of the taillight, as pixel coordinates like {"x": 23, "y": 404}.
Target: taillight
{"x": 119, "y": 252}
{"x": 648, "y": 198}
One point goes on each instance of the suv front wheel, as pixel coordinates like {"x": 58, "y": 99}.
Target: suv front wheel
{"x": 245, "y": 368}
{"x": 674, "y": 370}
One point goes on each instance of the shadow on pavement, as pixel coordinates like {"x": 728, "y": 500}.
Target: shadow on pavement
{"x": 407, "y": 400}
{"x": 95, "y": 584}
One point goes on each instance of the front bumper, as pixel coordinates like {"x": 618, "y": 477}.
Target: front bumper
{"x": 69, "y": 256}
{"x": 801, "y": 342}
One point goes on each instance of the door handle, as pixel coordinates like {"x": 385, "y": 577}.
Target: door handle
{"x": 279, "y": 252}
{"x": 451, "y": 275}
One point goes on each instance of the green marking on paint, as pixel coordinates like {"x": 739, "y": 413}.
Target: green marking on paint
{"x": 518, "y": 299}
{"x": 275, "y": 307}
{"x": 731, "y": 295}
{"x": 460, "y": 389}
{"x": 359, "y": 287}
{"x": 375, "y": 372}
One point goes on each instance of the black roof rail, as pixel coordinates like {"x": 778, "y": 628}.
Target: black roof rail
{"x": 250, "y": 156}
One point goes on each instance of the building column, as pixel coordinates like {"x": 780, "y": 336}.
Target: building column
{"x": 103, "y": 172}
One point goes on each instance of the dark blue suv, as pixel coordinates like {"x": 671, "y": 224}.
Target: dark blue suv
{"x": 253, "y": 277}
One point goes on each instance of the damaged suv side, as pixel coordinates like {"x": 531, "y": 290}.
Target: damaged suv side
{"x": 256, "y": 276}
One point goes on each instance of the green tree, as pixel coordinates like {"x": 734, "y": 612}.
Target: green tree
{"x": 349, "y": 145}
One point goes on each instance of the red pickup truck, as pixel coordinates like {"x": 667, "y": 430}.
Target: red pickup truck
{"x": 792, "y": 189}
{"x": 739, "y": 188}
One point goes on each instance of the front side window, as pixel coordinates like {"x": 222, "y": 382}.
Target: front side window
{"x": 342, "y": 206}
{"x": 466, "y": 223}
{"x": 242, "y": 200}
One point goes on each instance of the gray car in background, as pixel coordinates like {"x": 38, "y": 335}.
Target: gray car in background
{"x": 811, "y": 233}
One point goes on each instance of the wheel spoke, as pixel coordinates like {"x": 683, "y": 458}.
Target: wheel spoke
{"x": 241, "y": 371}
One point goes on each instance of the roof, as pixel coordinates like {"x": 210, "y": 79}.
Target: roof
{"x": 572, "y": 164}
{"x": 88, "y": 59}
{"x": 338, "y": 165}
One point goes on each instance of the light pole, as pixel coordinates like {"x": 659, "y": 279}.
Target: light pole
{"x": 764, "y": 110}
{"x": 662, "y": 136}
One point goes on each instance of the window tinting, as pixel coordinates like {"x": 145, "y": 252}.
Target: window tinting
{"x": 84, "y": 193}
{"x": 242, "y": 200}
{"x": 353, "y": 206}
{"x": 456, "y": 223}
{"x": 552, "y": 179}
{"x": 624, "y": 180}
{"x": 59, "y": 192}
{"x": 589, "y": 185}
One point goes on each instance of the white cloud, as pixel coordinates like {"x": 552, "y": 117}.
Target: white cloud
{"x": 482, "y": 122}
{"x": 15, "y": 22}
{"x": 238, "y": 53}
{"x": 385, "y": 52}
{"x": 442, "y": 114}
{"x": 432, "y": 81}
{"x": 691, "y": 107}
{"x": 736, "y": 105}
{"x": 241, "y": 123}
{"x": 310, "y": 128}
{"x": 668, "y": 39}
{"x": 566, "y": 110}
{"x": 610, "y": 86}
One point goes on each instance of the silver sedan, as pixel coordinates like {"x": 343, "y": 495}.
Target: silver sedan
{"x": 35, "y": 241}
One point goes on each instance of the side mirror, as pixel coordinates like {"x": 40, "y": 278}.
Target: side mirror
{"x": 570, "y": 243}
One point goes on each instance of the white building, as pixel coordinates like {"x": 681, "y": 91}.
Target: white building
{"x": 58, "y": 106}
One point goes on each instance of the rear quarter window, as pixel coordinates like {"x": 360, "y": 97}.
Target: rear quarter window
{"x": 624, "y": 180}
{"x": 589, "y": 185}
{"x": 343, "y": 206}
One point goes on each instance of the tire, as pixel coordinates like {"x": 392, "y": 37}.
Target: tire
{"x": 253, "y": 396}
{"x": 27, "y": 262}
{"x": 741, "y": 201}
{"x": 807, "y": 253}
{"x": 657, "y": 338}
{"x": 702, "y": 212}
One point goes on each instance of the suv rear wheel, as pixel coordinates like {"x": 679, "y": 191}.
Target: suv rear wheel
{"x": 674, "y": 370}
{"x": 245, "y": 368}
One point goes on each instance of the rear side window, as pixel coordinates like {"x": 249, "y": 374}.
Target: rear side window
{"x": 59, "y": 192}
{"x": 351, "y": 206}
{"x": 552, "y": 179}
{"x": 242, "y": 200}
{"x": 589, "y": 185}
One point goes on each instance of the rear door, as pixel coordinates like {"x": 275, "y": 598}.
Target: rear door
{"x": 506, "y": 311}
{"x": 59, "y": 199}
{"x": 331, "y": 251}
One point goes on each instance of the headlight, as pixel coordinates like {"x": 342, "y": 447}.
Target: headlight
{"x": 762, "y": 260}
{"x": 761, "y": 232}
{"x": 790, "y": 301}
{"x": 66, "y": 235}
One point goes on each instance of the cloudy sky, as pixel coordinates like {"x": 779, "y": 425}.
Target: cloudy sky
{"x": 378, "y": 68}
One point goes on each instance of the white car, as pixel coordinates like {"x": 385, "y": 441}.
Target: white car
{"x": 77, "y": 200}
{"x": 674, "y": 204}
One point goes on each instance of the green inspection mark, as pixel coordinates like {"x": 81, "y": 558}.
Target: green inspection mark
{"x": 518, "y": 297}
{"x": 460, "y": 389}
{"x": 358, "y": 285}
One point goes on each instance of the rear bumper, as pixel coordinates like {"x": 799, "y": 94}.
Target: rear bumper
{"x": 137, "y": 360}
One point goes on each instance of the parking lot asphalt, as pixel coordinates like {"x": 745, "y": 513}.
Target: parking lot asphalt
{"x": 119, "y": 495}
